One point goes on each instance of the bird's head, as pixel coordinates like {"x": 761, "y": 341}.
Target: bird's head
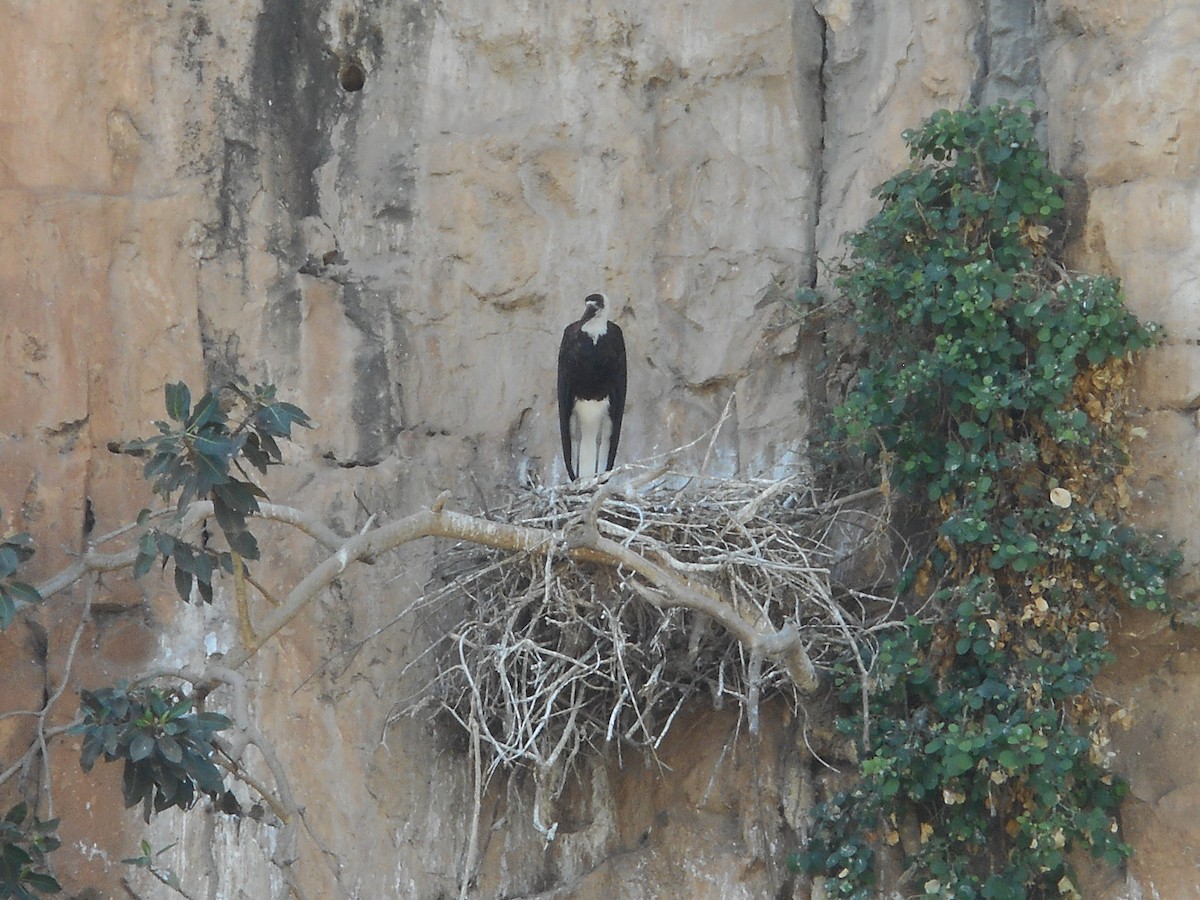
{"x": 595, "y": 308}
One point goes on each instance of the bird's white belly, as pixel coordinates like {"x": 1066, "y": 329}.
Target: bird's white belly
{"x": 591, "y": 431}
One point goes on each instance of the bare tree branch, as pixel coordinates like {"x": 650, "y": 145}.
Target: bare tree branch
{"x": 783, "y": 646}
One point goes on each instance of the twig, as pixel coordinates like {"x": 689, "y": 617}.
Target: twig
{"x": 473, "y": 838}
{"x": 245, "y": 626}
{"x": 68, "y": 664}
{"x": 716, "y": 432}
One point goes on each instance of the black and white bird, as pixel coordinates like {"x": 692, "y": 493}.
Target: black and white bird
{"x": 591, "y": 390}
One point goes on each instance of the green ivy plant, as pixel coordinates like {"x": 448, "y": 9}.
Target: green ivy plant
{"x": 24, "y": 842}
{"x": 166, "y": 748}
{"x": 989, "y": 399}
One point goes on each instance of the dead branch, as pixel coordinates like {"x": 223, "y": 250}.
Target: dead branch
{"x": 785, "y": 647}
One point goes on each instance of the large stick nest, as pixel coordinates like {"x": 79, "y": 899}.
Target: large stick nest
{"x": 555, "y": 656}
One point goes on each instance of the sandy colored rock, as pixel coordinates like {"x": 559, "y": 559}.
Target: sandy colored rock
{"x": 188, "y": 192}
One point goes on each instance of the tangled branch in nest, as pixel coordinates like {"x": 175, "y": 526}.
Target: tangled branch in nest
{"x": 556, "y": 654}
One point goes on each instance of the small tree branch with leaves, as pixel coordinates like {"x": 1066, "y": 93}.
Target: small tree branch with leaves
{"x": 171, "y": 748}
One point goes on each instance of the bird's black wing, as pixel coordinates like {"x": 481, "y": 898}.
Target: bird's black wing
{"x": 616, "y": 402}
{"x": 566, "y": 396}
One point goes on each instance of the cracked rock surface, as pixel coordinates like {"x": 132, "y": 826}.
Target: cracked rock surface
{"x": 391, "y": 210}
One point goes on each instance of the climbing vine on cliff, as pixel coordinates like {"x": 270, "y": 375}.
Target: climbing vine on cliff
{"x": 989, "y": 400}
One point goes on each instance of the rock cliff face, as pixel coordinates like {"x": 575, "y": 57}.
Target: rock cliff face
{"x": 391, "y": 210}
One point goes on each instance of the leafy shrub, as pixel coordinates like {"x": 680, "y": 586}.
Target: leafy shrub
{"x": 166, "y": 748}
{"x": 14, "y": 550}
{"x": 989, "y": 399}
{"x": 24, "y": 843}
{"x": 193, "y": 454}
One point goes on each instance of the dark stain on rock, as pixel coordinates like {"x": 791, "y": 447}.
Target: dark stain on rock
{"x": 237, "y": 189}
{"x": 376, "y": 408}
{"x": 294, "y": 97}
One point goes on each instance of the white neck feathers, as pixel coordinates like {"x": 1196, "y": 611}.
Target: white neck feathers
{"x": 597, "y": 326}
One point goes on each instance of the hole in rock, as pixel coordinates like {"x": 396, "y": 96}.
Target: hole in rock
{"x": 352, "y": 77}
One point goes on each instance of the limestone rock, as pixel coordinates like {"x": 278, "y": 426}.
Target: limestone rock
{"x": 391, "y": 211}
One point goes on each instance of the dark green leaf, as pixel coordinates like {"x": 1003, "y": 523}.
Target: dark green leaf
{"x": 178, "y": 400}
{"x": 141, "y": 746}
{"x": 43, "y": 883}
{"x": 244, "y": 544}
{"x": 22, "y": 542}
{"x": 219, "y": 448}
{"x": 255, "y": 454}
{"x": 206, "y": 775}
{"x": 206, "y": 410}
{"x": 169, "y": 749}
{"x": 202, "y": 567}
{"x": 183, "y": 584}
{"x": 8, "y": 560}
{"x": 181, "y": 708}
{"x": 208, "y": 722}
{"x": 184, "y": 557}
{"x": 46, "y": 827}
{"x": 17, "y": 857}
{"x": 205, "y": 590}
{"x": 239, "y": 496}
{"x": 209, "y": 471}
{"x": 143, "y": 563}
{"x": 21, "y": 591}
{"x": 278, "y": 418}
{"x": 135, "y": 783}
{"x": 17, "y": 813}
{"x": 91, "y": 748}
{"x": 165, "y": 544}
